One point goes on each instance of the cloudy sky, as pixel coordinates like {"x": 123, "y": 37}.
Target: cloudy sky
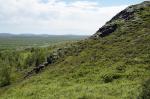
{"x": 80, "y": 17}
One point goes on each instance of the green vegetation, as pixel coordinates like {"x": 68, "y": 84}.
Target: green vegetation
{"x": 16, "y": 62}
{"x": 4, "y": 74}
{"x": 9, "y": 41}
{"x": 116, "y": 66}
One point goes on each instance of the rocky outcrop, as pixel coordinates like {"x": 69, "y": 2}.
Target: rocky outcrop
{"x": 125, "y": 15}
{"x": 105, "y": 30}
{"x": 56, "y": 55}
{"x": 129, "y": 12}
{"x": 36, "y": 69}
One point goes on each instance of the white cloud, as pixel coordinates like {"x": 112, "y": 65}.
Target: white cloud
{"x": 78, "y": 17}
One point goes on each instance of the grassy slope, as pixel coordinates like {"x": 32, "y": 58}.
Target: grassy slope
{"x": 114, "y": 67}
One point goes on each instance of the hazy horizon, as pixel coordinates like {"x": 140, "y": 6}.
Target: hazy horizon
{"x": 45, "y": 34}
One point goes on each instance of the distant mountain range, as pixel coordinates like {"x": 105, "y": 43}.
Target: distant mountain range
{"x": 43, "y": 35}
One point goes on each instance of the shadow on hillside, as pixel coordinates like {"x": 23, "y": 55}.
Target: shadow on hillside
{"x": 146, "y": 90}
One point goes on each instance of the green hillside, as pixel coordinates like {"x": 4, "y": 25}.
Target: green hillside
{"x": 114, "y": 63}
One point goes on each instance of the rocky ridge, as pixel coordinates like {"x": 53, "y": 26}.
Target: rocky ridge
{"x": 126, "y": 15}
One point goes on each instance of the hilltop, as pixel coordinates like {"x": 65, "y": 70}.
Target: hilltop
{"x": 112, "y": 64}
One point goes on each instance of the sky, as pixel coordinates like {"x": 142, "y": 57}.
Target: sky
{"x": 58, "y": 17}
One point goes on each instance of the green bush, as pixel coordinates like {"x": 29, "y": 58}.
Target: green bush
{"x": 4, "y": 74}
{"x": 110, "y": 77}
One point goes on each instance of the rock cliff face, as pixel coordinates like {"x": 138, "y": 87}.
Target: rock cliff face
{"x": 128, "y": 14}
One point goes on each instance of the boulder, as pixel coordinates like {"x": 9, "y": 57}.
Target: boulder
{"x": 105, "y": 30}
